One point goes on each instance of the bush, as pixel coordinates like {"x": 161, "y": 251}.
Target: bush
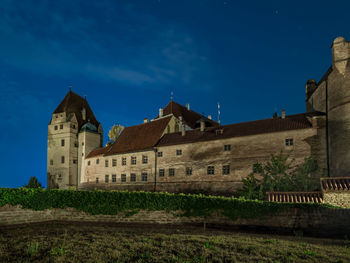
{"x": 33, "y": 183}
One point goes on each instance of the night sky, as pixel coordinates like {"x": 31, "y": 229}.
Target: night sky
{"x": 254, "y": 57}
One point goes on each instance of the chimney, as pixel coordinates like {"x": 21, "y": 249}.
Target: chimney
{"x": 183, "y": 131}
{"x": 188, "y": 106}
{"x": 202, "y": 125}
{"x": 283, "y": 114}
{"x": 209, "y": 117}
{"x": 160, "y": 112}
{"x": 83, "y": 113}
{"x": 145, "y": 120}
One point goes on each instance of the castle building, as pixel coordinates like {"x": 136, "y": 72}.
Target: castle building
{"x": 183, "y": 151}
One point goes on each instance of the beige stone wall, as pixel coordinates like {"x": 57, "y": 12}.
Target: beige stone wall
{"x": 323, "y": 221}
{"x": 68, "y": 170}
{"x": 317, "y": 100}
{"x": 100, "y": 170}
{"x": 341, "y": 198}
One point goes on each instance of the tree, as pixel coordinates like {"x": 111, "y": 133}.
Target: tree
{"x": 279, "y": 174}
{"x": 33, "y": 183}
{"x": 114, "y": 132}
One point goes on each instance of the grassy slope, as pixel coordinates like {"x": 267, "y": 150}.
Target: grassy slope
{"x": 86, "y": 243}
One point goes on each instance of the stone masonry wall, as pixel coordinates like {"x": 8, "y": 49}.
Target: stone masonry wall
{"x": 325, "y": 221}
{"x": 337, "y": 198}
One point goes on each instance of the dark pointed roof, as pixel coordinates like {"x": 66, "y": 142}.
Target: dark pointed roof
{"x": 189, "y": 117}
{"x": 73, "y": 103}
{"x": 291, "y": 122}
{"x": 139, "y": 137}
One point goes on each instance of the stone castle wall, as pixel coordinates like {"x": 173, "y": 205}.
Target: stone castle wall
{"x": 325, "y": 222}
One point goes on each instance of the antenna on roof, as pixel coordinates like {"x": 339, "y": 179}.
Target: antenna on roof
{"x": 171, "y": 100}
{"x": 85, "y": 96}
{"x": 218, "y": 112}
{"x": 171, "y": 95}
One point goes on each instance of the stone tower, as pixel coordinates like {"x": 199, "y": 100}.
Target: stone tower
{"x": 332, "y": 96}
{"x": 73, "y": 132}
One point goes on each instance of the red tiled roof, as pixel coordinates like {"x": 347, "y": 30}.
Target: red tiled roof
{"x": 73, "y": 103}
{"x": 139, "y": 137}
{"x": 292, "y": 122}
{"x": 335, "y": 184}
{"x": 189, "y": 117}
{"x": 97, "y": 152}
{"x": 295, "y": 197}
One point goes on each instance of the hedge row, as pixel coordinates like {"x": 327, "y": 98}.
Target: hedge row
{"x": 113, "y": 202}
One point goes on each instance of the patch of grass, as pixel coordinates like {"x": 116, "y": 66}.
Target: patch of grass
{"x": 32, "y": 248}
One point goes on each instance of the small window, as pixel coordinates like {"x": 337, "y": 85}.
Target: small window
{"x": 160, "y": 154}
{"x": 144, "y": 177}
{"x": 82, "y": 154}
{"x": 289, "y": 142}
{"x": 60, "y": 176}
{"x": 73, "y": 126}
{"x": 62, "y": 159}
{"x": 123, "y": 177}
{"x": 144, "y": 159}
{"x": 61, "y": 126}
{"x": 97, "y": 161}
{"x": 76, "y": 144}
{"x": 124, "y": 161}
{"x": 51, "y": 162}
{"x": 89, "y": 163}
{"x": 114, "y": 178}
{"x": 178, "y": 152}
{"x": 56, "y": 128}
{"x": 210, "y": 170}
{"x": 106, "y": 163}
{"x": 227, "y": 147}
{"x": 161, "y": 172}
{"x": 226, "y": 169}
{"x": 96, "y": 180}
{"x": 82, "y": 143}
{"x": 62, "y": 142}
{"x": 132, "y": 177}
{"x": 114, "y": 162}
{"x": 106, "y": 178}
{"x": 188, "y": 170}
{"x": 133, "y": 159}
{"x": 75, "y": 161}
{"x": 171, "y": 171}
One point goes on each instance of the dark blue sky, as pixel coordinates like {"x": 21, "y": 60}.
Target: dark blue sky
{"x": 254, "y": 57}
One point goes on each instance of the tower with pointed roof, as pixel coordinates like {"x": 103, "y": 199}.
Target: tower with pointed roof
{"x": 73, "y": 131}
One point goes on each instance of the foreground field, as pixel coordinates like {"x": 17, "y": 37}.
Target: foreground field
{"x": 63, "y": 242}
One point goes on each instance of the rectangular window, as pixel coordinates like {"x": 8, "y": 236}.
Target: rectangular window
{"x": 75, "y": 161}
{"x": 289, "y": 142}
{"x": 56, "y": 128}
{"x": 82, "y": 143}
{"x": 144, "y": 177}
{"x": 160, "y": 154}
{"x": 106, "y": 178}
{"x": 62, "y": 142}
{"x": 226, "y": 169}
{"x": 73, "y": 126}
{"x": 89, "y": 163}
{"x": 123, "y": 177}
{"x": 188, "y": 170}
{"x": 132, "y": 177}
{"x": 227, "y": 147}
{"x": 76, "y": 144}
{"x": 114, "y": 162}
{"x": 144, "y": 159}
{"x": 178, "y": 152}
{"x": 106, "y": 163}
{"x": 97, "y": 161}
{"x": 210, "y": 170}
{"x": 171, "y": 171}
{"x": 124, "y": 161}
{"x": 61, "y": 126}
{"x": 51, "y": 162}
{"x": 114, "y": 178}
{"x": 62, "y": 159}
{"x": 96, "y": 180}
{"x": 133, "y": 160}
{"x": 161, "y": 172}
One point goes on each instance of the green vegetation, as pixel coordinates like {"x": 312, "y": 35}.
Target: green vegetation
{"x": 114, "y": 202}
{"x": 280, "y": 174}
{"x": 33, "y": 183}
{"x": 91, "y": 243}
